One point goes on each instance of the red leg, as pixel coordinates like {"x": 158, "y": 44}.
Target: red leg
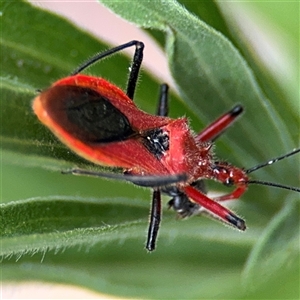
{"x": 215, "y": 208}
{"x": 212, "y": 131}
{"x": 237, "y": 193}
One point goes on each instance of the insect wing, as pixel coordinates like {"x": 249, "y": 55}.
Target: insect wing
{"x": 99, "y": 122}
{"x": 84, "y": 113}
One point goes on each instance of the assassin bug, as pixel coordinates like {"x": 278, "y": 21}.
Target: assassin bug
{"x": 101, "y": 123}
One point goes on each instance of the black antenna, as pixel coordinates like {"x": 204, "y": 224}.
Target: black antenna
{"x": 272, "y": 161}
{"x": 281, "y": 186}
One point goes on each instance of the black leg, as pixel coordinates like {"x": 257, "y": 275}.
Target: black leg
{"x": 155, "y": 216}
{"x": 135, "y": 66}
{"x": 146, "y": 181}
{"x": 155, "y": 212}
{"x": 163, "y": 102}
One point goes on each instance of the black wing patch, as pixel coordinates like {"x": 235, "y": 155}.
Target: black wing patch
{"x": 87, "y": 115}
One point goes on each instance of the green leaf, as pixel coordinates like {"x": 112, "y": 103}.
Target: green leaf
{"x": 276, "y": 253}
{"x": 80, "y": 237}
{"x": 58, "y": 222}
{"x": 44, "y": 224}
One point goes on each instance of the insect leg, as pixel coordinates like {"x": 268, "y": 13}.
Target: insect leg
{"x": 216, "y": 128}
{"x": 215, "y": 208}
{"x": 236, "y": 194}
{"x": 135, "y": 68}
{"x": 137, "y": 60}
{"x": 146, "y": 181}
{"x": 163, "y": 101}
{"x": 155, "y": 211}
{"x": 155, "y": 217}
{"x": 212, "y": 132}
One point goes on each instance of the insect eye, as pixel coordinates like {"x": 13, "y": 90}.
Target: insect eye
{"x": 229, "y": 181}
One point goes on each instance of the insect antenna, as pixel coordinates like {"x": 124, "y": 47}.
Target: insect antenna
{"x": 270, "y": 162}
{"x": 281, "y": 186}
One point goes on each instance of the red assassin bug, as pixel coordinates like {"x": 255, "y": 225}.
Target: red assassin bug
{"x": 101, "y": 123}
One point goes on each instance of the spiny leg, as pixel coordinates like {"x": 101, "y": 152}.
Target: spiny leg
{"x": 155, "y": 211}
{"x": 216, "y": 128}
{"x": 135, "y": 66}
{"x": 146, "y": 181}
{"x": 155, "y": 218}
{"x": 235, "y": 194}
{"x": 215, "y": 208}
{"x": 163, "y": 102}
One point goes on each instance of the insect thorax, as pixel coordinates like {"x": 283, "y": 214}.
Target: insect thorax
{"x": 156, "y": 141}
